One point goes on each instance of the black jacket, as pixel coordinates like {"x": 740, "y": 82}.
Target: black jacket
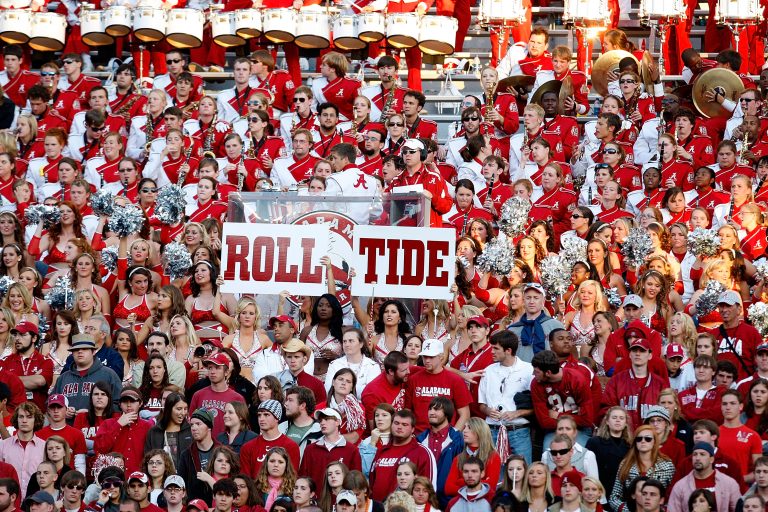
{"x": 189, "y": 465}
{"x": 156, "y": 440}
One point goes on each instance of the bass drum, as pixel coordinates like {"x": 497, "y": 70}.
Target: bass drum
{"x": 48, "y": 32}
{"x": 149, "y": 24}
{"x": 346, "y": 32}
{"x": 15, "y": 26}
{"x": 223, "y": 30}
{"x": 313, "y": 30}
{"x": 437, "y": 35}
{"x": 185, "y": 28}
{"x": 93, "y": 30}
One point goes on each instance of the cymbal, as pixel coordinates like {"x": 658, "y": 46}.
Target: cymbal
{"x": 566, "y": 91}
{"x": 722, "y": 80}
{"x": 517, "y": 82}
{"x": 645, "y": 71}
{"x": 609, "y": 61}
{"x": 549, "y": 86}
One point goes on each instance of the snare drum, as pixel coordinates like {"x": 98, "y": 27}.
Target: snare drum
{"x": 48, "y": 31}
{"x": 437, "y": 35}
{"x": 739, "y": 10}
{"x": 117, "y": 21}
{"x": 371, "y": 27}
{"x": 248, "y": 23}
{"x": 185, "y": 28}
{"x": 223, "y": 30}
{"x": 92, "y": 29}
{"x": 149, "y": 24}
{"x": 501, "y": 12}
{"x": 313, "y": 30}
{"x": 345, "y": 33}
{"x": 279, "y": 25}
{"x": 15, "y": 26}
{"x": 403, "y": 29}
{"x": 586, "y": 10}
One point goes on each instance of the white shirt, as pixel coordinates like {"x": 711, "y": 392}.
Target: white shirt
{"x": 366, "y": 371}
{"x": 499, "y": 384}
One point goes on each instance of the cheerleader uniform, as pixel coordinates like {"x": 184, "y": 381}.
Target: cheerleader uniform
{"x": 198, "y": 316}
{"x": 381, "y": 351}
{"x": 121, "y": 311}
{"x": 328, "y": 349}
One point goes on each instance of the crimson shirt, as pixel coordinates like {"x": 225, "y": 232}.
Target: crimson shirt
{"x": 424, "y": 386}
{"x": 215, "y": 401}
{"x": 744, "y": 339}
{"x": 571, "y": 395}
{"x": 383, "y": 476}
{"x": 254, "y": 452}
{"x": 37, "y": 364}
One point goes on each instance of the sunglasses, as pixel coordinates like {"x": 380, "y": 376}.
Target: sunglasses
{"x": 410, "y": 151}
{"x": 172, "y": 61}
{"x": 78, "y": 487}
{"x": 556, "y": 453}
{"x": 610, "y": 151}
{"x": 746, "y": 100}
{"x": 627, "y": 81}
{"x": 254, "y": 103}
{"x": 149, "y": 190}
{"x": 473, "y": 118}
{"x": 392, "y": 125}
{"x": 68, "y": 61}
{"x": 47, "y": 73}
{"x": 254, "y": 119}
{"x": 99, "y": 128}
{"x": 111, "y": 485}
{"x": 299, "y": 100}
{"x": 574, "y": 216}
{"x": 647, "y": 439}
{"x": 126, "y": 170}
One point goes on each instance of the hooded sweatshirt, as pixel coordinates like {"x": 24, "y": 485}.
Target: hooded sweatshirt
{"x": 479, "y": 502}
{"x": 77, "y": 385}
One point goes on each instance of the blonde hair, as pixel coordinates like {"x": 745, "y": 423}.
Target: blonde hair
{"x": 710, "y": 267}
{"x": 525, "y": 495}
{"x": 194, "y": 341}
{"x": 241, "y": 305}
{"x": 688, "y": 337}
{"x": 32, "y": 122}
{"x": 599, "y": 295}
{"x": 96, "y": 302}
{"x": 595, "y": 482}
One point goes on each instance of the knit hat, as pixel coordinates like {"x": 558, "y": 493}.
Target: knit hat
{"x": 657, "y": 411}
{"x": 572, "y": 477}
{"x": 273, "y": 407}
{"x": 204, "y": 415}
{"x": 701, "y": 445}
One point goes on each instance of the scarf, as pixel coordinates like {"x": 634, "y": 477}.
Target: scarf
{"x": 274, "y": 490}
{"x": 532, "y": 332}
{"x": 351, "y": 411}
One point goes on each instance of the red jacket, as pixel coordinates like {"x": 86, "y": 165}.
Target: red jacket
{"x": 633, "y": 394}
{"x": 434, "y": 184}
{"x": 506, "y": 105}
{"x": 112, "y": 437}
{"x": 572, "y": 396}
{"x": 317, "y": 456}
{"x": 708, "y": 408}
{"x": 744, "y": 339}
{"x": 701, "y": 150}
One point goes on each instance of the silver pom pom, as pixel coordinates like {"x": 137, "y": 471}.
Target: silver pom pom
{"x": 61, "y": 296}
{"x": 5, "y": 284}
{"x": 573, "y": 249}
{"x": 514, "y": 216}
{"x": 498, "y": 257}
{"x": 42, "y": 327}
{"x": 171, "y": 202}
{"x": 709, "y": 299}
{"x": 109, "y": 258}
{"x": 48, "y": 215}
{"x": 758, "y": 316}
{"x": 555, "y": 275}
{"x": 636, "y": 247}
{"x": 464, "y": 261}
{"x": 176, "y": 260}
{"x": 761, "y": 268}
{"x": 126, "y": 220}
{"x": 614, "y": 299}
{"x": 703, "y": 242}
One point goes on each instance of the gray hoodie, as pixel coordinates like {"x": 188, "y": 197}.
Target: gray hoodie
{"x": 77, "y": 388}
{"x": 479, "y": 502}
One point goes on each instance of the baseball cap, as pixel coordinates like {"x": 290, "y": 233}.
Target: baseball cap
{"x": 729, "y": 297}
{"x": 414, "y": 144}
{"x": 763, "y": 347}
{"x": 80, "y": 341}
{"x": 57, "y": 399}
{"x": 479, "y": 320}
{"x": 676, "y": 350}
{"x": 632, "y": 300}
{"x": 572, "y": 477}
{"x": 130, "y": 394}
{"x": 218, "y": 359}
{"x": 657, "y": 411}
{"x": 431, "y": 348}
{"x": 282, "y": 319}
{"x": 347, "y": 496}
{"x": 534, "y": 286}
{"x": 174, "y": 480}
{"x": 39, "y": 497}
{"x": 25, "y": 327}
{"x": 329, "y": 412}
{"x": 138, "y": 475}
{"x": 640, "y": 343}
{"x": 273, "y": 407}
{"x": 198, "y": 504}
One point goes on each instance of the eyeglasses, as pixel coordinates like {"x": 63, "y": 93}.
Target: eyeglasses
{"x": 372, "y": 139}
{"x": 110, "y": 485}
{"x": 610, "y": 151}
{"x": 472, "y": 118}
{"x": 174, "y": 489}
{"x": 172, "y": 61}
{"x": 393, "y": 125}
{"x": 410, "y": 151}
{"x": 576, "y": 216}
{"x": 627, "y": 81}
{"x": 47, "y": 73}
{"x": 154, "y": 463}
{"x": 68, "y": 61}
{"x": 78, "y": 487}
{"x": 149, "y": 190}
{"x": 647, "y": 439}
{"x": 299, "y": 100}
{"x": 254, "y": 103}
{"x": 557, "y": 453}
{"x": 126, "y": 170}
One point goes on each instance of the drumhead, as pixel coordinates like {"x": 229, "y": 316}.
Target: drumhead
{"x": 179, "y": 40}
{"x": 433, "y": 47}
{"x": 12, "y": 37}
{"x": 228, "y": 40}
{"x": 279, "y": 36}
{"x": 401, "y": 41}
{"x": 349, "y": 43}
{"x": 312, "y": 41}
{"x": 150, "y": 35}
{"x": 118, "y": 30}
{"x": 97, "y": 39}
{"x": 248, "y": 33}
{"x": 370, "y": 37}
{"x": 46, "y": 44}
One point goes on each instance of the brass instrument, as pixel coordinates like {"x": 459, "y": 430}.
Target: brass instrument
{"x": 187, "y": 156}
{"x": 186, "y": 112}
{"x": 609, "y": 61}
{"x": 489, "y": 92}
{"x": 149, "y": 129}
{"x": 209, "y": 138}
{"x": 390, "y": 98}
{"x": 241, "y": 177}
{"x": 294, "y": 115}
{"x": 124, "y": 110}
{"x": 61, "y": 185}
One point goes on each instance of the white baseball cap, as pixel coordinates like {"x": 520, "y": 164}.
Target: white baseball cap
{"x": 431, "y": 348}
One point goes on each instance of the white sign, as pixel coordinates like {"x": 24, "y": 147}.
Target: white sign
{"x": 270, "y": 258}
{"x": 404, "y": 262}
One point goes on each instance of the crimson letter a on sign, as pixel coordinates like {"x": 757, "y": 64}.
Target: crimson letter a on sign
{"x": 435, "y": 249}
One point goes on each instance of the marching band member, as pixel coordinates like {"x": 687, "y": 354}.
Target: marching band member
{"x": 564, "y": 126}
{"x": 638, "y": 106}
{"x": 561, "y": 69}
{"x": 674, "y": 208}
{"x": 278, "y": 84}
{"x": 494, "y": 194}
{"x": 395, "y": 135}
{"x": 650, "y": 195}
{"x": 750, "y": 104}
{"x": 727, "y": 166}
{"x": 103, "y": 168}
{"x": 176, "y": 64}
{"x": 209, "y": 168}
{"x": 416, "y": 126}
{"x": 208, "y": 204}
{"x": 556, "y": 199}
{"x": 361, "y": 122}
{"x": 28, "y": 144}
{"x": 301, "y": 115}
{"x": 473, "y": 155}
{"x": 349, "y": 181}
{"x": 184, "y": 98}
{"x": 75, "y": 96}
{"x": 627, "y": 175}
{"x": 296, "y": 167}
{"x": 328, "y": 132}
{"x": 256, "y": 101}
{"x": 370, "y": 160}
{"x": 68, "y": 172}
{"x": 611, "y": 105}
{"x": 541, "y": 155}
{"x": 261, "y": 148}
{"x": 47, "y": 118}
{"x": 178, "y": 164}
{"x": 754, "y": 243}
{"x": 233, "y": 103}
{"x": 208, "y": 129}
{"x": 741, "y": 194}
{"x": 148, "y": 127}
{"x": 501, "y": 109}
{"x": 16, "y": 82}
{"x": 691, "y": 146}
{"x": 334, "y": 86}
{"x": 74, "y": 43}
{"x": 470, "y": 125}
{"x": 234, "y": 164}
{"x": 646, "y": 145}
{"x": 174, "y": 120}
{"x": 44, "y": 169}
{"x": 520, "y": 144}
{"x": 694, "y": 64}
{"x": 86, "y": 145}
{"x": 611, "y": 204}
{"x": 97, "y": 100}
{"x": 704, "y": 195}
{"x": 128, "y": 183}
{"x": 535, "y": 58}
{"x": 416, "y": 173}
{"x": 590, "y": 194}
{"x": 463, "y": 209}
{"x": 674, "y": 171}
{"x": 125, "y": 101}
{"x": 386, "y": 97}
{"x": 605, "y": 130}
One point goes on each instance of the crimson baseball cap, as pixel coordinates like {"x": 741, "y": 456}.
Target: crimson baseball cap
{"x": 57, "y": 399}
{"x": 640, "y": 343}
{"x": 479, "y": 320}
{"x": 282, "y": 318}
{"x": 25, "y": 327}
{"x": 198, "y": 504}
{"x": 218, "y": 359}
{"x": 676, "y": 350}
